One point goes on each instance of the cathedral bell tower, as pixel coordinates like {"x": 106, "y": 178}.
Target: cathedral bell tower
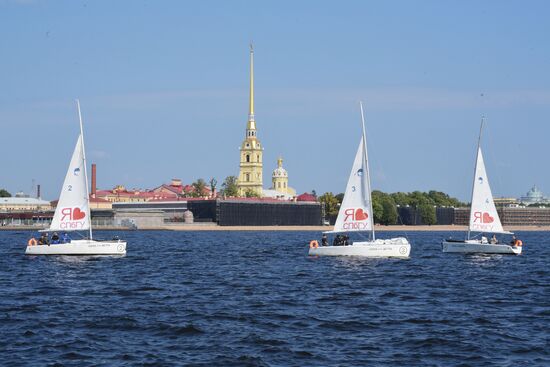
{"x": 251, "y": 166}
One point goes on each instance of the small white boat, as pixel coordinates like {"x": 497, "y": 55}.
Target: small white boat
{"x": 483, "y": 218}
{"x": 80, "y": 247}
{"x": 394, "y": 247}
{"x": 355, "y": 215}
{"x": 73, "y": 213}
{"x": 479, "y": 247}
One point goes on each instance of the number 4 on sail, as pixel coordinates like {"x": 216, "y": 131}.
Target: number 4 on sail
{"x": 483, "y": 218}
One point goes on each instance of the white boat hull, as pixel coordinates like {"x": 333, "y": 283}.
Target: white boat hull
{"x": 476, "y": 247}
{"x": 80, "y": 247}
{"x": 395, "y": 247}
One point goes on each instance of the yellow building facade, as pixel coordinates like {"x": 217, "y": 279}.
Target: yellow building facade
{"x": 250, "y": 180}
{"x": 279, "y": 180}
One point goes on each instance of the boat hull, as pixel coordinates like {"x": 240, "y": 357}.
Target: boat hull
{"x": 80, "y": 247}
{"x": 476, "y": 247}
{"x": 395, "y": 247}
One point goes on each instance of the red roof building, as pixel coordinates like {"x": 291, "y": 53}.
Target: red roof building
{"x": 306, "y": 197}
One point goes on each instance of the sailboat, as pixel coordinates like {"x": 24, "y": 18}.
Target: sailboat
{"x": 356, "y": 215}
{"x": 483, "y": 217}
{"x": 73, "y": 213}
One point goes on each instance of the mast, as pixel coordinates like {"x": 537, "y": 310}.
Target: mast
{"x": 475, "y": 168}
{"x": 366, "y": 158}
{"x": 85, "y": 170}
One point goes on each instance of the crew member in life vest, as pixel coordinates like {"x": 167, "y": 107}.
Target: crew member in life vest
{"x": 515, "y": 242}
{"x": 324, "y": 241}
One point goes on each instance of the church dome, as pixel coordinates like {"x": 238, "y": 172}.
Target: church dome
{"x": 280, "y": 171}
{"x": 535, "y": 193}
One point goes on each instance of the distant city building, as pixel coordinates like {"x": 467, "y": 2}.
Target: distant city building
{"x": 251, "y": 151}
{"x": 534, "y": 196}
{"x": 121, "y": 194}
{"x": 279, "y": 183}
{"x": 174, "y": 189}
{"x": 510, "y": 216}
{"x": 500, "y": 202}
{"x": 23, "y": 203}
{"x": 306, "y": 196}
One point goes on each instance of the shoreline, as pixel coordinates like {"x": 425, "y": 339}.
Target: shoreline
{"x": 214, "y": 227}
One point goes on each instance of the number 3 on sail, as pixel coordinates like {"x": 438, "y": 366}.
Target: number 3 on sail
{"x": 355, "y": 215}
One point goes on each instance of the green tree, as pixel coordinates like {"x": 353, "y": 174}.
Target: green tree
{"x": 427, "y": 214}
{"x": 251, "y": 194}
{"x": 441, "y": 199}
{"x": 377, "y": 208}
{"x": 417, "y": 198}
{"x": 384, "y": 208}
{"x": 401, "y": 198}
{"x": 340, "y": 197}
{"x": 389, "y": 215}
{"x": 4, "y": 194}
{"x": 199, "y": 188}
{"x": 331, "y": 203}
{"x": 229, "y": 186}
{"x": 213, "y": 183}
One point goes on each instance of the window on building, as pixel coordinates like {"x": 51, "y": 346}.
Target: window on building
{"x": 248, "y": 177}
{"x": 247, "y": 158}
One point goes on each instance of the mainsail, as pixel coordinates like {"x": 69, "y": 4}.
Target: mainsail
{"x": 483, "y": 214}
{"x": 72, "y": 212}
{"x": 355, "y": 213}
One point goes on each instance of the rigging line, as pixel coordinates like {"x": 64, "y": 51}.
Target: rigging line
{"x": 405, "y": 231}
{"x": 495, "y": 171}
{"x": 369, "y": 162}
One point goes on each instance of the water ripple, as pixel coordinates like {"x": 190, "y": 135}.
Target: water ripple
{"x": 257, "y": 299}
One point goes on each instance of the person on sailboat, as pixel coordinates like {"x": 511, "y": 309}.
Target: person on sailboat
{"x": 494, "y": 240}
{"x": 346, "y": 240}
{"x": 516, "y": 242}
{"x": 44, "y": 240}
{"x": 65, "y": 238}
{"x": 55, "y": 238}
{"x": 324, "y": 240}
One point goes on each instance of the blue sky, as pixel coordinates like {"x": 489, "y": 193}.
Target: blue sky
{"x": 164, "y": 91}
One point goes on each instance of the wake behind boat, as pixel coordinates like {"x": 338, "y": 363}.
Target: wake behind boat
{"x": 483, "y": 218}
{"x": 73, "y": 214}
{"x": 355, "y": 215}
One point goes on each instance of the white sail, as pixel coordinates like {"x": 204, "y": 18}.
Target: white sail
{"x": 73, "y": 212}
{"x": 354, "y": 214}
{"x": 483, "y": 213}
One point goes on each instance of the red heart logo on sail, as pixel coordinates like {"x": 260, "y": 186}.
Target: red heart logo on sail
{"x": 360, "y": 214}
{"x": 487, "y": 218}
{"x": 77, "y": 214}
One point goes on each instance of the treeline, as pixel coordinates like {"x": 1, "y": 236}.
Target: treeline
{"x": 385, "y": 206}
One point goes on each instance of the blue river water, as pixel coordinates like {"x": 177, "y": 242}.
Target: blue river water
{"x": 257, "y": 299}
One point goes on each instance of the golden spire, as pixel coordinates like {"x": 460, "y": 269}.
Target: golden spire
{"x": 280, "y": 162}
{"x": 251, "y": 122}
